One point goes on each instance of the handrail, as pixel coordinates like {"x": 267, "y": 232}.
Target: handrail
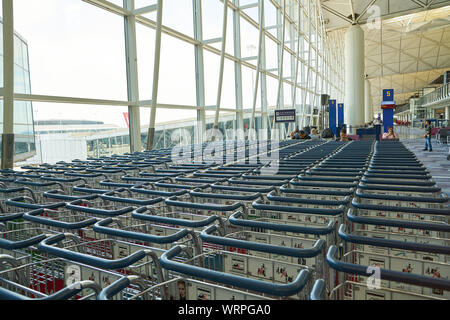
{"x": 229, "y": 279}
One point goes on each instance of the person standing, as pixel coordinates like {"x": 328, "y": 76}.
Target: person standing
{"x": 428, "y": 128}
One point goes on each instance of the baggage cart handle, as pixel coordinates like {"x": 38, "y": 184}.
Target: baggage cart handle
{"x": 114, "y": 184}
{"x": 14, "y": 245}
{"x": 11, "y": 217}
{"x": 385, "y": 274}
{"x": 325, "y": 212}
{"x": 198, "y": 193}
{"x": 436, "y": 212}
{"x": 109, "y": 196}
{"x": 17, "y": 202}
{"x": 433, "y": 189}
{"x": 153, "y": 192}
{"x": 272, "y": 183}
{"x": 206, "y": 181}
{"x": 318, "y": 291}
{"x": 443, "y": 198}
{"x": 34, "y": 216}
{"x": 323, "y": 184}
{"x": 39, "y": 184}
{"x": 62, "y": 180}
{"x": 233, "y": 188}
{"x": 286, "y": 189}
{"x": 46, "y": 246}
{"x": 273, "y": 197}
{"x": 117, "y": 286}
{"x": 229, "y": 279}
{"x": 64, "y": 294}
{"x": 85, "y": 175}
{"x": 139, "y": 214}
{"x": 180, "y": 186}
{"x": 429, "y": 248}
{"x": 353, "y": 217}
{"x": 207, "y": 236}
{"x": 88, "y": 189}
{"x": 141, "y": 179}
{"x": 102, "y": 227}
{"x": 77, "y": 206}
{"x": 173, "y": 201}
{"x": 237, "y": 220}
{"x": 55, "y": 194}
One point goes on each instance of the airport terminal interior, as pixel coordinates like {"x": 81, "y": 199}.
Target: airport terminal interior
{"x": 225, "y": 150}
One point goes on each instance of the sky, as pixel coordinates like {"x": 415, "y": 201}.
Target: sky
{"x": 77, "y": 50}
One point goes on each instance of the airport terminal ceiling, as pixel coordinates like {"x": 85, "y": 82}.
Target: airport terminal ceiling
{"x": 407, "y": 51}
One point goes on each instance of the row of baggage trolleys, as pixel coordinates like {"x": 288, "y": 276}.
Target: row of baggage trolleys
{"x": 333, "y": 221}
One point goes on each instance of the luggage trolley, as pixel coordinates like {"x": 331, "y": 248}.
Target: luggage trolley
{"x": 219, "y": 280}
{"x": 290, "y": 214}
{"x": 66, "y": 183}
{"x": 9, "y": 193}
{"x": 39, "y": 187}
{"x": 93, "y": 179}
{"x": 119, "y": 257}
{"x": 53, "y": 279}
{"x": 407, "y": 270}
{"x": 264, "y": 233}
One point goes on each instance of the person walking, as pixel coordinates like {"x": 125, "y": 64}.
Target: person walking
{"x": 428, "y": 128}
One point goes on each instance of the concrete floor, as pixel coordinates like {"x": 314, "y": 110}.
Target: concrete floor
{"x": 435, "y": 161}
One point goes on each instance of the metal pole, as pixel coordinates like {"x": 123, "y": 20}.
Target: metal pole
{"x": 151, "y": 129}
{"x": 258, "y": 63}
{"x": 297, "y": 58}
{"x": 222, "y": 61}
{"x": 238, "y": 71}
{"x": 8, "y": 87}
{"x": 199, "y": 72}
{"x": 132, "y": 78}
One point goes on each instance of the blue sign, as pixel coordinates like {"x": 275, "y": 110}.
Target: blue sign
{"x": 388, "y": 95}
{"x": 388, "y": 119}
{"x": 283, "y": 116}
{"x": 340, "y": 115}
{"x": 333, "y": 116}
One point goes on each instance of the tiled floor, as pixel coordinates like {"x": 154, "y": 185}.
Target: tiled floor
{"x": 435, "y": 161}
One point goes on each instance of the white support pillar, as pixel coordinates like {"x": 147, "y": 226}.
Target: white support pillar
{"x": 367, "y": 102}
{"x": 200, "y": 128}
{"x": 132, "y": 78}
{"x": 447, "y": 113}
{"x": 238, "y": 72}
{"x": 354, "y": 77}
{"x": 8, "y": 87}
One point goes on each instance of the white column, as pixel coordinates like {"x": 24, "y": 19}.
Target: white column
{"x": 447, "y": 113}
{"x": 367, "y": 102}
{"x": 354, "y": 76}
{"x": 8, "y": 87}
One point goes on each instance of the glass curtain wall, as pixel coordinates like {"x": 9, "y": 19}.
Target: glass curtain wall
{"x": 224, "y": 63}
{"x": 24, "y": 143}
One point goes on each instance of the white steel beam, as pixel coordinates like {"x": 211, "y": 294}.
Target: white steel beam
{"x": 199, "y": 72}
{"x": 132, "y": 78}
{"x": 222, "y": 61}
{"x": 151, "y": 129}
{"x": 8, "y": 86}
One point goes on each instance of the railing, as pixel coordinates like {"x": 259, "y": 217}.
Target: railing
{"x": 437, "y": 95}
{"x": 402, "y": 108}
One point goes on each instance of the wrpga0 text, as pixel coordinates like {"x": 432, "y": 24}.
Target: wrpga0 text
{"x": 246, "y": 309}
